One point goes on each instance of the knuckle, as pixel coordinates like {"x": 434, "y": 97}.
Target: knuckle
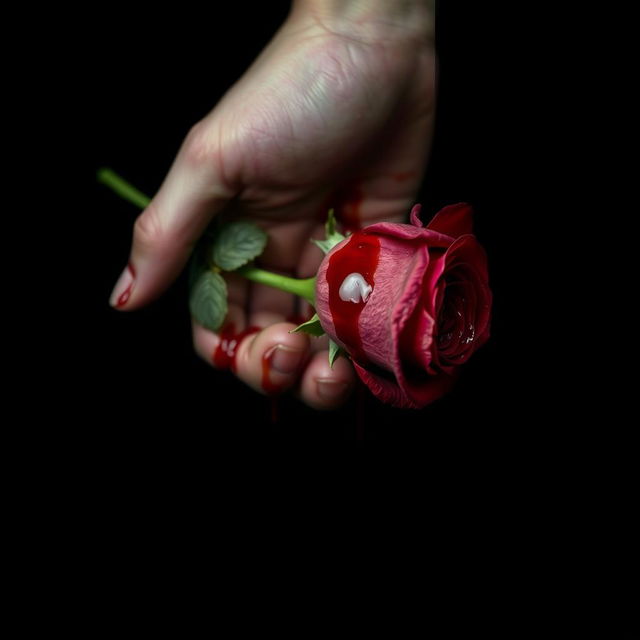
{"x": 148, "y": 231}
{"x": 199, "y": 144}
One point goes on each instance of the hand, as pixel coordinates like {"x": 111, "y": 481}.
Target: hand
{"x": 337, "y": 110}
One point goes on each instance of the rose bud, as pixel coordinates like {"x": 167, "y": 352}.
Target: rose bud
{"x": 409, "y": 304}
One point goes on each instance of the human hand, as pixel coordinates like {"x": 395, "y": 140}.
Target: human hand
{"x": 336, "y": 111}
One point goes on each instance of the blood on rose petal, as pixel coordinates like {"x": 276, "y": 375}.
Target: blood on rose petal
{"x": 359, "y": 255}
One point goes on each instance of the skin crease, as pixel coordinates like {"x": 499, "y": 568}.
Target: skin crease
{"x": 331, "y": 99}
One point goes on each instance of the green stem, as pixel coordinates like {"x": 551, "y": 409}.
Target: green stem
{"x": 303, "y": 288}
{"x": 122, "y": 187}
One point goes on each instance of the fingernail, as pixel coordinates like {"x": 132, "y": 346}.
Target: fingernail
{"x": 331, "y": 389}
{"x": 286, "y": 359}
{"x": 123, "y": 288}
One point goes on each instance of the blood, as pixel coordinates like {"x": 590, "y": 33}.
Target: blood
{"x": 224, "y": 357}
{"x": 124, "y": 296}
{"x": 359, "y": 255}
{"x": 348, "y": 203}
{"x": 267, "y": 385}
{"x": 225, "y": 354}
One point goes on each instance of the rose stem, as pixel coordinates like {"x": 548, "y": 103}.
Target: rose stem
{"x": 303, "y": 288}
{"x": 122, "y": 187}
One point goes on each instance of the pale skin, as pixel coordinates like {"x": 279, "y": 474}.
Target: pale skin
{"x": 344, "y": 91}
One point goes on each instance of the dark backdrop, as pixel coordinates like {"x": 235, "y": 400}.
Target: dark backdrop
{"x": 126, "y": 404}
{"x": 146, "y": 81}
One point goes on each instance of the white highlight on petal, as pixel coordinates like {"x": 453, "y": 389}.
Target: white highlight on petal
{"x": 354, "y": 289}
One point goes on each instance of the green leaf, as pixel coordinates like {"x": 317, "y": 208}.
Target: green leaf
{"x": 325, "y": 245}
{"x": 237, "y": 243}
{"x": 208, "y": 300}
{"x": 334, "y": 352}
{"x": 332, "y": 237}
{"x": 312, "y": 327}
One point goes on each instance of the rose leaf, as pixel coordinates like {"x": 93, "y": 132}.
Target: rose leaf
{"x": 208, "y": 300}
{"x": 312, "y": 327}
{"x": 332, "y": 237}
{"x": 237, "y": 243}
{"x": 334, "y": 352}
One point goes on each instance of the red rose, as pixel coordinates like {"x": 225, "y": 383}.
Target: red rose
{"x": 409, "y": 304}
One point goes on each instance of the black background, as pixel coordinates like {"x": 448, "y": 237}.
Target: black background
{"x": 128, "y": 404}
{"x": 146, "y": 81}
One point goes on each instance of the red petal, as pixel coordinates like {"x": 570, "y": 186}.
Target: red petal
{"x": 454, "y": 220}
{"x": 415, "y": 216}
{"x": 384, "y": 389}
{"x": 430, "y": 237}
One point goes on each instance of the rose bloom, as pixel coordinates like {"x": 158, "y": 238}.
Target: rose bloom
{"x": 409, "y": 303}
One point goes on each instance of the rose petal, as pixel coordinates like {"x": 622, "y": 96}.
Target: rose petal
{"x": 384, "y": 389}
{"x": 462, "y": 308}
{"x": 467, "y": 251}
{"x": 433, "y": 238}
{"x": 419, "y": 386}
{"x": 417, "y": 339}
{"x": 454, "y": 220}
{"x": 414, "y": 217}
{"x": 396, "y": 293}
{"x": 437, "y": 265}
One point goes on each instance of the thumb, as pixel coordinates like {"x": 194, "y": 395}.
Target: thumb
{"x": 165, "y": 233}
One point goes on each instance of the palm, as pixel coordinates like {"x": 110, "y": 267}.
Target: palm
{"x": 322, "y": 120}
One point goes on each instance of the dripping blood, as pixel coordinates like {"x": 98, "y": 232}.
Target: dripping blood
{"x": 224, "y": 357}
{"x": 267, "y": 386}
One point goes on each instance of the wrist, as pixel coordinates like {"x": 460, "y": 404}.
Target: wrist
{"x": 371, "y": 19}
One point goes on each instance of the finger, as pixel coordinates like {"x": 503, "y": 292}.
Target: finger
{"x": 218, "y": 348}
{"x": 323, "y": 387}
{"x": 271, "y": 361}
{"x": 165, "y": 233}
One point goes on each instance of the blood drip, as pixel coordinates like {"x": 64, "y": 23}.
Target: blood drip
{"x": 224, "y": 357}
{"x": 267, "y": 386}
